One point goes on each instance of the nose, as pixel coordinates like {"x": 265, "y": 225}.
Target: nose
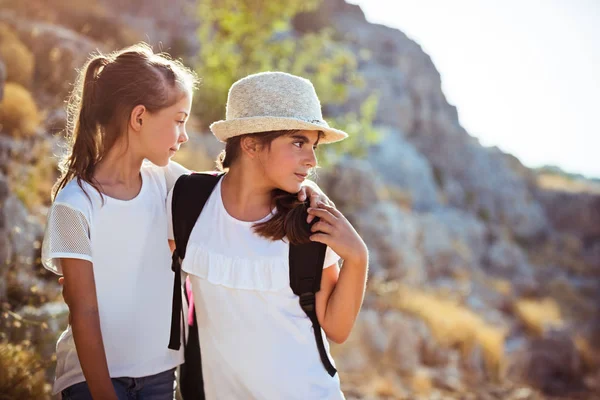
{"x": 311, "y": 160}
{"x": 183, "y": 137}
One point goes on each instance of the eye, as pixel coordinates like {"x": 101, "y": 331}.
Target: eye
{"x": 181, "y": 122}
{"x": 298, "y": 144}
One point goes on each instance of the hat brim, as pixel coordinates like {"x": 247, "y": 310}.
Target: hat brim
{"x": 224, "y": 130}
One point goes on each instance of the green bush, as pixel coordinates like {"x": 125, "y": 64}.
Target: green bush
{"x": 21, "y": 373}
{"x": 360, "y": 130}
{"x": 242, "y": 37}
{"x": 19, "y": 115}
{"x": 19, "y": 61}
{"x": 245, "y": 37}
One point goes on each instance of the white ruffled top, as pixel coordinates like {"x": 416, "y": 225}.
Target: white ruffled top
{"x": 256, "y": 341}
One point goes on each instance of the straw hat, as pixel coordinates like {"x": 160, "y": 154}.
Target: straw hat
{"x": 272, "y": 101}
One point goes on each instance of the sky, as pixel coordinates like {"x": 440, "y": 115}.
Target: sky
{"x": 524, "y": 74}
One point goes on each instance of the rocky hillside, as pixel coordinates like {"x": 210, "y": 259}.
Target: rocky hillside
{"x": 484, "y": 280}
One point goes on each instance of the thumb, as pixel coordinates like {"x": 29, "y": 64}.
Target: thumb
{"x": 302, "y": 194}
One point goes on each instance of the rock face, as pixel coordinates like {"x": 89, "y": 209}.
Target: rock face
{"x": 577, "y": 213}
{"x": 173, "y": 28}
{"x": 551, "y": 364}
{"x": 2, "y": 79}
{"x": 479, "y": 180}
{"x": 469, "y": 211}
{"x": 5, "y": 246}
{"x": 400, "y": 164}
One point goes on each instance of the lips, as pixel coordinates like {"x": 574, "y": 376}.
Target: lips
{"x": 301, "y": 176}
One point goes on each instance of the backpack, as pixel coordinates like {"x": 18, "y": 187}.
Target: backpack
{"x": 190, "y": 194}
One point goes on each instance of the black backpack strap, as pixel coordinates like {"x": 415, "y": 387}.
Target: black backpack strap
{"x": 190, "y": 194}
{"x": 191, "y": 378}
{"x": 306, "y": 269}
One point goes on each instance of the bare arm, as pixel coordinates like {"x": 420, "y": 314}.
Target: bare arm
{"x": 80, "y": 294}
{"x": 340, "y": 298}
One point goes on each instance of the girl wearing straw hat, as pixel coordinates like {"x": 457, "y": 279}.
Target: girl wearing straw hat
{"x": 257, "y": 339}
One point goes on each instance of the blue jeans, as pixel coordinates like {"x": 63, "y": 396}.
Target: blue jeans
{"x": 155, "y": 387}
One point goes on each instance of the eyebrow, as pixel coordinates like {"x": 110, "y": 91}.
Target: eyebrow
{"x": 305, "y": 139}
{"x": 183, "y": 112}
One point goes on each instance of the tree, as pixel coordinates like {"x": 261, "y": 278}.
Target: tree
{"x": 242, "y": 37}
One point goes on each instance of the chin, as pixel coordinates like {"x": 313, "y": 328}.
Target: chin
{"x": 160, "y": 162}
{"x": 293, "y": 188}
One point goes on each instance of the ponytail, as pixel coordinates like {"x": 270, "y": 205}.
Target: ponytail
{"x": 83, "y": 137}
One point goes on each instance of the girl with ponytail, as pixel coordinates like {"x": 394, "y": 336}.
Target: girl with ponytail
{"x": 106, "y": 228}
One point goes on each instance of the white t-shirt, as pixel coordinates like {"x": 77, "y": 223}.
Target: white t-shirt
{"x": 126, "y": 241}
{"x": 256, "y": 341}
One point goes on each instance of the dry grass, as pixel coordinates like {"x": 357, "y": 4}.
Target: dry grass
{"x": 454, "y": 325}
{"x": 32, "y": 183}
{"x": 589, "y": 355}
{"x": 19, "y": 114}
{"x": 573, "y": 302}
{"x": 565, "y": 184}
{"x": 502, "y": 286}
{"x": 400, "y": 197}
{"x": 21, "y": 373}
{"x": 386, "y": 386}
{"x": 421, "y": 382}
{"x": 19, "y": 61}
{"x": 538, "y": 315}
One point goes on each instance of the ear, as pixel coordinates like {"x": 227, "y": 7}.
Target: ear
{"x": 136, "y": 119}
{"x": 250, "y": 146}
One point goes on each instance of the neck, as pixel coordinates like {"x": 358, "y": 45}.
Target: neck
{"x": 120, "y": 168}
{"x": 246, "y": 195}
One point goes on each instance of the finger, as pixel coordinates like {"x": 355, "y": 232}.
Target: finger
{"x": 323, "y": 227}
{"x": 310, "y": 218}
{"x": 315, "y": 199}
{"x": 326, "y": 200}
{"x": 61, "y": 280}
{"x": 321, "y": 238}
{"x": 331, "y": 208}
{"x": 323, "y": 214}
{"x": 302, "y": 194}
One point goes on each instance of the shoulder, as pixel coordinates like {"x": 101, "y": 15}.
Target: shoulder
{"x": 74, "y": 196}
{"x": 168, "y": 174}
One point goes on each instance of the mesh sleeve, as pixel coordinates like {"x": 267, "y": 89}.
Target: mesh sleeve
{"x": 331, "y": 258}
{"x": 67, "y": 235}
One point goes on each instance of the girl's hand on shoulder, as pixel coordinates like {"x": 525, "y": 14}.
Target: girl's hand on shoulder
{"x": 334, "y": 230}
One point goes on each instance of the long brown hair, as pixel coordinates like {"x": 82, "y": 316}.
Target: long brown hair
{"x": 105, "y": 92}
{"x": 290, "y": 219}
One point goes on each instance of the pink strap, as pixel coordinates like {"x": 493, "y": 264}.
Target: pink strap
{"x": 190, "y": 296}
